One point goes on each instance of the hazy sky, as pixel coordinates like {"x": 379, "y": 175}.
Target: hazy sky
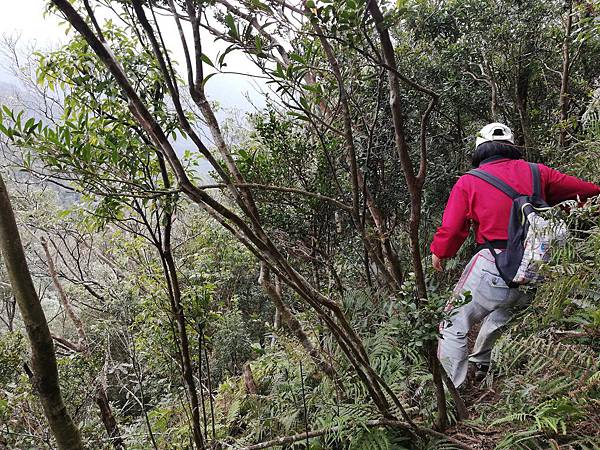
{"x": 27, "y": 19}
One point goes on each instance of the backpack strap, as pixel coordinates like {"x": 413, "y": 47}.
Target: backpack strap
{"x": 496, "y": 182}
{"x": 536, "y": 180}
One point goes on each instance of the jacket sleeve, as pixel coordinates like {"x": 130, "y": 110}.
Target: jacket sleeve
{"x": 455, "y": 225}
{"x": 559, "y": 187}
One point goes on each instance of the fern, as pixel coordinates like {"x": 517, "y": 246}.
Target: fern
{"x": 372, "y": 439}
{"x": 547, "y": 380}
{"x": 522, "y": 440}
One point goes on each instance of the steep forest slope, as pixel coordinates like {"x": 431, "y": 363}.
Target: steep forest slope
{"x": 288, "y": 301}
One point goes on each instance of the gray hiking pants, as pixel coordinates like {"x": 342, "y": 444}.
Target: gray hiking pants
{"x": 491, "y": 300}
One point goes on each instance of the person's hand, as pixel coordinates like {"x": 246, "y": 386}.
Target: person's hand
{"x": 437, "y": 263}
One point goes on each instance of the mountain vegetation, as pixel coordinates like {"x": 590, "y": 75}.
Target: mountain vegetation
{"x": 283, "y": 297}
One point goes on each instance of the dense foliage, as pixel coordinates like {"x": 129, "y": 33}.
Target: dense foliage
{"x": 185, "y": 325}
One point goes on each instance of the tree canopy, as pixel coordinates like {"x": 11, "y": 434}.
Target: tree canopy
{"x": 282, "y": 297}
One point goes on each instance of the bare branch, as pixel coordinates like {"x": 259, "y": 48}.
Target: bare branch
{"x": 64, "y": 300}
{"x": 282, "y": 189}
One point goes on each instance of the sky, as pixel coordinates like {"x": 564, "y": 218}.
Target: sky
{"x": 26, "y": 18}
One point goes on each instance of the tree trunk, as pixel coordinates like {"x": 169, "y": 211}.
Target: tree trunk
{"x": 441, "y": 420}
{"x": 564, "y": 77}
{"x": 177, "y": 310}
{"x": 43, "y": 358}
{"x": 493, "y": 90}
{"x": 415, "y": 188}
{"x": 522, "y": 92}
{"x": 249, "y": 380}
{"x": 108, "y": 419}
{"x": 276, "y": 324}
{"x": 174, "y": 289}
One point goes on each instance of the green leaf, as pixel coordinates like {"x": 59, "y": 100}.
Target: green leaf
{"x": 114, "y": 155}
{"x": 67, "y": 136}
{"x": 224, "y": 54}
{"x": 258, "y": 44}
{"x": 262, "y": 6}
{"x": 316, "y": 88}
{"x": 206, "y": 60}
{"x": 231, "y": 25}
{"x": 278, "y": 71}
{"x": 86, "y": 152}
{"x": 8, "y": 112}
{"x": 298, "y": 115}
{"x": 29, "y": 125}
{"x": 296, "y": 57}
{"x": 304, "y": 103}
{"x": 208, "y": 77}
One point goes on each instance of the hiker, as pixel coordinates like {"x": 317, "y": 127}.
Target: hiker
{"x": 475, "y": 202}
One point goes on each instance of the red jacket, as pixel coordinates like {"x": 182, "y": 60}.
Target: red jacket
{"x": 475, "y": 202}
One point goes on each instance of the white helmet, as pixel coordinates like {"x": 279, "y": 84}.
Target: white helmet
{"x": 494, "y": 132}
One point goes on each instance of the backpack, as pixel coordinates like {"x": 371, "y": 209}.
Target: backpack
{"x": 531, "y": 237}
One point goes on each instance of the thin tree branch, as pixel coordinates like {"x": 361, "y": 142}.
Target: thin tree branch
{"x": 370, "y": 424}
{"x": 281, "y": 189}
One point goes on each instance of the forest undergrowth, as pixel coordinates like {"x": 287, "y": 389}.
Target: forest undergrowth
{"x": 542, "y": 391}
{"x": 217, "y": 279}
